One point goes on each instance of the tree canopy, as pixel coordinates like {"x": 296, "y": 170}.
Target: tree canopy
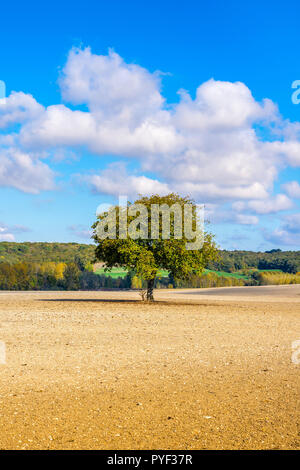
{"x": 144, "y": 253}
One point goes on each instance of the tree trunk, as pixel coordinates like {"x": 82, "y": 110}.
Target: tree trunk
{"x": 150, "y": 287}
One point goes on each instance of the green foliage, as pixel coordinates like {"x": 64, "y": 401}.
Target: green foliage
{"x": 12, "y": 253}
{"x": 229, "y": 261}
{"x": 55, "y": 276}
{"x": 236, "y": 275}
{"x": 232, "y": 261}
{"x": 284, "y": 264}
{"x": 41, "y": 266}
{"x": 265, "y": 278}
{"x": 71, "y": 277}
{"x": 209, "y": 279}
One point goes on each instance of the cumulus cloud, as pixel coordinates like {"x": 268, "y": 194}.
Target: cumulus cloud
{"x": 20, "y": 168}
{"x": 218, "y": 215}
{"x": 292, "y": 188}
{"x": 80, "y": 231}
{"x": 292, "y": 223}
{"x": 19, "y": 108}
{"x": 208, "y": 146}
{"x": 8, "y": 233}
{"x": 245, "y": 219}
{"x": 5, "y": 235}
{"x": 288, "y": 150}
{"x": 58, "y": 126}
{"x": 221, "y": 106}
{"x": 272, "y": 205}
{"x": 110, "y": 87}
{"x": 282, "y": 237}
{"x": 115, "y": 180}
{"x": 288, "y": 233}
{"x": 61, "y": 126}
{"x": 22, "y": 171}
{"x": 278, "y": 203}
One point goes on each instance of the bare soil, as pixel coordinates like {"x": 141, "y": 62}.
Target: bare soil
{"x": 194, "y": 370}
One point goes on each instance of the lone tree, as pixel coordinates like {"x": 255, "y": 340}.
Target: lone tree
{"x": 155, "y": 239}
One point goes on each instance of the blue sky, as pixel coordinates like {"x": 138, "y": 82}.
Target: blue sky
{"x": 80, "y": 140}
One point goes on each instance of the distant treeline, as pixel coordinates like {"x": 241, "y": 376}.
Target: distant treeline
{"x": 56, "y": 276}
{"x": 230, "y": 261}
{"x": 204, "y": 280}
{"x": 69, "y": 266}
{"x": 265, "y": 278}
{"x": 79, "y": 276}
{"x": 209, "y": 280}
{"x": 39, "y": 252}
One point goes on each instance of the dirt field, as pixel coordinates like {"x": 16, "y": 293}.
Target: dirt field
{"x": 195, "y": 370}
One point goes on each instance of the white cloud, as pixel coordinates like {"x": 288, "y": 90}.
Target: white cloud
{"x": 207, "y": 147}
{"x": 288, "y": 150}
{"x": 18, "y": 108}
{"x": 292, "y": 188}
{"x": 219, "y": 215}
{"x": 59, "y": 126}
{"x": 21, "y": 171}
{"x": 292, "y": 223}
{"x": 274, "y": 204}
{"x": 221, "y": 106}
{"x": 115, "y": 180}
{"x": 219, "y": 192}
{"x": 278, "y": 203}
{"x": 245, "y": 219}
{"x": 5, "y": 236}
{"x": 288, "y": 233}
{"x": 8, "y": 233}
{"x": 110, "y": 87}
{"x": 80, "y": 231}
{"x": 19, "y": 168}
